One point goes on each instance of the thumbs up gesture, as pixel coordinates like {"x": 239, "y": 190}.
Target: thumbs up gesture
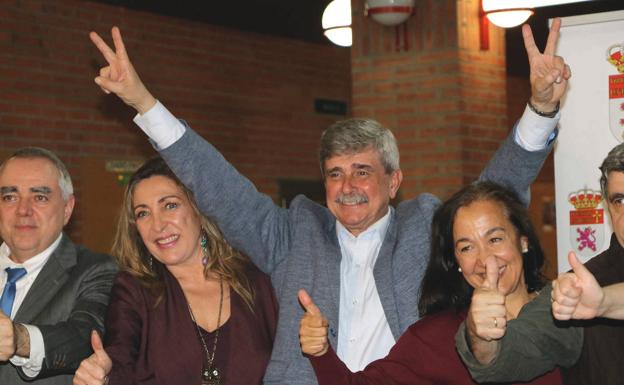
{"x": 95, "y": 369}
{"x": 313, "y": 327}
{"x": 487, "y": 318}
{"x": 576, "y": 294}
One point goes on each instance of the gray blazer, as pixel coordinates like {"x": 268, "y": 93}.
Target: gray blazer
{"x": 67, "y": 300}
{"x": 299, "y": 248}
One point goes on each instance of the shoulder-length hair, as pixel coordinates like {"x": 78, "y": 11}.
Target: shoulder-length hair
{"x": 133, "y": 256}
{"x": 444, "y": 287}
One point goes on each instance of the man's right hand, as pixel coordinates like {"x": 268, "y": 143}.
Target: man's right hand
{"x": 548, "y": 73}
{"x": 576, "y": 294}
{"x": 95, "y": 369}
{"x": 119, "y": 76}
{"x": 313, "y": 328}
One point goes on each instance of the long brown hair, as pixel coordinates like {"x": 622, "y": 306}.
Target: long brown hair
{"x": 133, "y": 256}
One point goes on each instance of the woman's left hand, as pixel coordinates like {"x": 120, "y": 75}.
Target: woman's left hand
{"x": 95, "y": 369}
{"x": 487, "y": 314}
{"x": 486, "y": 322}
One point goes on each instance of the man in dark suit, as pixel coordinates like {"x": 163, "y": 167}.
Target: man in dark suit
{"x": 53, "y": 292}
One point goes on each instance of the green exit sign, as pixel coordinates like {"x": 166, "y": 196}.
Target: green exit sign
{"x": 333, "y": 107}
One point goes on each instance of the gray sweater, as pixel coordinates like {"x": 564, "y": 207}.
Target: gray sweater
{"x": 534, "y": 343}
{"x": 299, "y": 248}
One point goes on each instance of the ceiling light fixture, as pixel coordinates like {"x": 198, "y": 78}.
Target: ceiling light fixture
{"x": 389, "y": 12}
{"x": 336, "y": 22}
{"x": 507, "y": 14}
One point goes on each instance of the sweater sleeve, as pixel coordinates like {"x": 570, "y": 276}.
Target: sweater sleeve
{"x": 124, "y": 325}
{"x": 534, "y": 344}
{"x": 330, "y": 370}
{"x": 250, "y": 220}
{"x": 515, "y": 167}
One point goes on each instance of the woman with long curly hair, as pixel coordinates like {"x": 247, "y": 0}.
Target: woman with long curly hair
{"x": 186, "y": 307}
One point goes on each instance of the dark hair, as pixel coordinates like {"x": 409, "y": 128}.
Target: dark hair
{"x": 613, "y": 162}
{"x": 444, "y": 287}
{"x": 133, "y": 256}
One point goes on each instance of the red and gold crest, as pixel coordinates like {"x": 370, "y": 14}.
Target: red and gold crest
{"x": 615, "y": 56}
{"x": 586, "y": 222}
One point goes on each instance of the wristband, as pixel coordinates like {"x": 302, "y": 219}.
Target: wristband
{"x": 550, "y": 114}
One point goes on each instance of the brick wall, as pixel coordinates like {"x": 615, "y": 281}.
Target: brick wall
{"x": 251, "y": 95}
{"x": 428, "y": 81}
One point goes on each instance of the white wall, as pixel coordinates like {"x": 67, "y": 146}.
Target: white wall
{"x": 585, "y": 137}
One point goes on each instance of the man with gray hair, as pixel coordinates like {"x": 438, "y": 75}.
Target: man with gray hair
{"x": 54, "y": 292}
{"x": 360, "y": 259}
{"x": 535, "y": 344}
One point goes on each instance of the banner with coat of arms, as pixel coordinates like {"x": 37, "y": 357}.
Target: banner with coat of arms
{"x": 591, "y": 124}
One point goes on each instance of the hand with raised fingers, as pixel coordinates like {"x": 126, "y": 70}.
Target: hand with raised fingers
{"x": 577, "y": 294}
{"x": 313, "y": 327}
{"x": 549, "y": 73}
{"x": 119, "y": 76}
{"x": 487, "y": 314}
{"x": 94, "y": 370}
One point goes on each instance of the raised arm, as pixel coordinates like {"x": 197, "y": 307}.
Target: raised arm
{"x": 519, "y": 159}
{"x": 250, "y": 220}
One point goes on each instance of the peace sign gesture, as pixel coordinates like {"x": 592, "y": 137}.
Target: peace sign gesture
{"x": 549, "y": 73}
{"x": 119, "y": 76}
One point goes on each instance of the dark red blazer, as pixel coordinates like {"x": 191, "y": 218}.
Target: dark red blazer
{"x": 424, "y": 355}
{"x": 159, "y": 345}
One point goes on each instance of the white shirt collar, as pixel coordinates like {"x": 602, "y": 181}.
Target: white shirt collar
{"x": 378, "y": 228}
{"x": 32, "y": 264}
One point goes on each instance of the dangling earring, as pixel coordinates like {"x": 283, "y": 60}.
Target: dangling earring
{"x": 151, "y": 262}
{"x": 203, "y": 242}
{"x": 459, "y": 269}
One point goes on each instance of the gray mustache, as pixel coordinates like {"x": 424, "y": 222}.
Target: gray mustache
{"x": 351, "y": 199}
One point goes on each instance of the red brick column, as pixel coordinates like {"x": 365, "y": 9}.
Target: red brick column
{"x": 429, "y": 82}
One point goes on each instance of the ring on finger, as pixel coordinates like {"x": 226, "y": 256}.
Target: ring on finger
{"x": 495, "y": 322}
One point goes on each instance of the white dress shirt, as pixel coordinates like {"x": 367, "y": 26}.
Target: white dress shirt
{"x": 31, "y": 365}
{"x": 364, "y": 333}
